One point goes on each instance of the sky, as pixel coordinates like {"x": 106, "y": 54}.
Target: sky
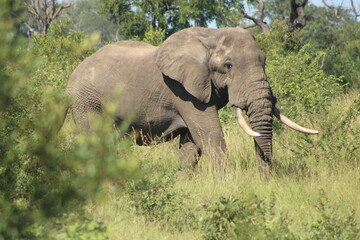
{"x": 344, "y": 3}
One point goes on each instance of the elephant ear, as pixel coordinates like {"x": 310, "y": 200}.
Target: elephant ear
{"x": 184, "y": 58}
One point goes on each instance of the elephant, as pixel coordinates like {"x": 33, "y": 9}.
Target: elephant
{"x": 177, "y": 88}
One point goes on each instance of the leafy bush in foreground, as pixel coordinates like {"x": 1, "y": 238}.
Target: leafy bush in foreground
{"x": 43, "y": 175}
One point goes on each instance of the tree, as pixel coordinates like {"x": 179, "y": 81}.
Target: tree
{"x": 356, "y": 13}
{"x": 135, "y": 17}
{"x": 85, "y": 16}
{"x": 342, "y": 13}
{"x": 45, "y": 11}
{"x": 336, "y": 34}
{"x": 295, "y": 20}
{"x": 257, "y": 20}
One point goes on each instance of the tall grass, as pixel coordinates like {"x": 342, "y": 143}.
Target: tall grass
{"x": 313, "y": 195}
{"x": 90, "y": 186}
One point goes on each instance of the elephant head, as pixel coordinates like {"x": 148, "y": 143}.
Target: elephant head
{"x": 229, "y": 64}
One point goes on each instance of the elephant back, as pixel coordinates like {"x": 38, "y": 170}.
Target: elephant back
{"x": 134, "y": 44}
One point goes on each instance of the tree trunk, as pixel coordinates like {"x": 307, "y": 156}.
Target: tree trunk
{"x": 45, "y": 11}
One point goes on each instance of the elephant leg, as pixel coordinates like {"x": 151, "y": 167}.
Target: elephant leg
{"x": 189, "y": 153}
{"x": 81, "y": 121}
{"x": 207, "y": 134}
{"x": 83, "y": 111}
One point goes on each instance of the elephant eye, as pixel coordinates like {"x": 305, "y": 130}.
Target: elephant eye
{"x": 228, "y": 65}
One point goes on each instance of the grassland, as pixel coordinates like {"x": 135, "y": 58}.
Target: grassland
{"x": 314, "y": 194}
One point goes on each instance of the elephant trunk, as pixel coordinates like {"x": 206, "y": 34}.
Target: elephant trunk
{"x": 261, "y": 122}
{"x": 260, "y": 113}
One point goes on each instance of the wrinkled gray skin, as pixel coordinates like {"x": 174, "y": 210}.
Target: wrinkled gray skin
{"x": 178, "y": 88}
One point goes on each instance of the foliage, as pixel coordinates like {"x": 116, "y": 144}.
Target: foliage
{"x": 252, "y": 219}
{"x": 62, "y": 51}
{"x": 276, "y": 9}
{"x": 223, "y": 13}
{"x": 297, "y": 79}
{"x": 78, "y": 226}
{"x": 154, "y": 37}
{"x": 55, "y": 186}
{"x": 135, "y": 17}
{"x": 338, "y": 41}
{"x": 330, "y": 225}
{"x": 280, "y": 38}
{"x": 41, "y": 176}
{"x": 226, "y": 114}
{"x": 339, "y": 129}
{"x": 86, "y": 16}
{"x": 157, "y": 201}
{"x": 127, "y": 15}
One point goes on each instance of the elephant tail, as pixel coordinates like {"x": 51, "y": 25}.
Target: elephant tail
{"x": 64, "y": 112}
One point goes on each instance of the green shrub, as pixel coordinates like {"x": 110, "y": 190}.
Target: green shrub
{"x": 42, "y": 174}
{"x": 226, "y": 114}
{"x": 298, "y": 81}
{"x": 280, "y": 38}
{"x": 78, "y": 226}
{"x": 336, "y": 147}
{"x": 331, "y": 225}
{"x": 156, "y": 199}
{"x": 59, "y": 53}
{"x": 154, "y": 36}
{"x": 231, "y": 218}
{"x": 296, "y": 71}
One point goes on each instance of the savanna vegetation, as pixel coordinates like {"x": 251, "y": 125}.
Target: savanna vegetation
{"x": 94, "y": 186}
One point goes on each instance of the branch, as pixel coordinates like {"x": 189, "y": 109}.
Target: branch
{"x": 297, "y": 12}
{"x": 15, "y": 14}
{"x": 354, "y": 10}
{"x": 60, "y": 8}
{"x": 250, "y": 17}
{"x": 336, "y": 10}
{"x": 27, "y": 25}
{"x": 250, "y": 26}
{"x": 261, "y": 10}
{"x": 45, "y": 11}
{"x": 259, "y": 20}
{"x": 32, "y": 9}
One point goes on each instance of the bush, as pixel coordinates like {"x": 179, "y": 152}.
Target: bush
{"x": 154, "y": 37}
{"x": 280, "y": 38}
{"x": 330, "y": 225}
{"x": 295, "y": 71}
{"x": 157, "y": 200}
{"x": 231, "y": 218}
{"x": 60, "y": 52}
{"x": 298, "y": 81}
{"x": 41, "y": 174}
{"x": 335, "y": 148}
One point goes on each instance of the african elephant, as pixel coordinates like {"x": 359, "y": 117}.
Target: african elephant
{"x": 176, "y": 89}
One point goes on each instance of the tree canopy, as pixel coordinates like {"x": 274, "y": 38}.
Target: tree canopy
{"x": 60, "y": 185}
{"x": 135, "y": 16}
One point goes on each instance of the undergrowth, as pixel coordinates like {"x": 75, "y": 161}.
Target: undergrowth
{"x": 311, "y": 197}
{"x": 91, "y": 186}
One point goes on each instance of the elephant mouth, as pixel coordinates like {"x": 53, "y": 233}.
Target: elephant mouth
{"x": 285, "y": 120}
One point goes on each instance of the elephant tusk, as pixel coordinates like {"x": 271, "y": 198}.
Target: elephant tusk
{"x": 244, "y": 125}
{"x": 291, "y": 124}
